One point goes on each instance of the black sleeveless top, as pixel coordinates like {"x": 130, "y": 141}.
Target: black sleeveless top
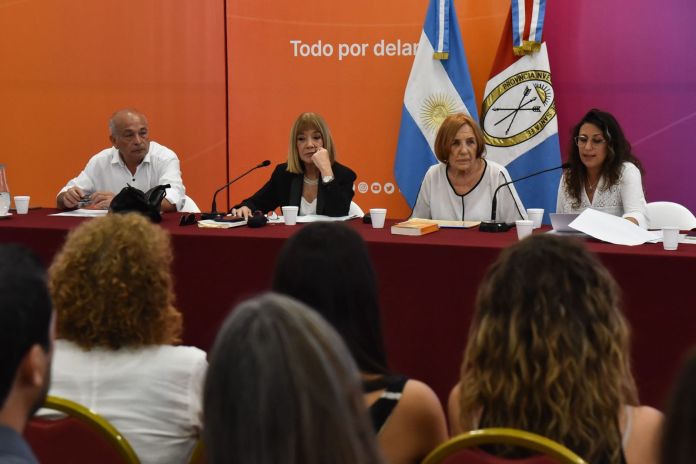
{"x": 380, "y": 410}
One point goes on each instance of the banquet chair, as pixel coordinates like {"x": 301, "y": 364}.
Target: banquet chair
{"x": 79, "y": 436}
{"x": 666, "y": 213}
{"x": 464, "y": 448}
{"x": 190, "y": 206}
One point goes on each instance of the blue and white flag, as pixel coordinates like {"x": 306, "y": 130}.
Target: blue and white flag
{"x": 518, "y": 114}
{"x": 439, "y": 85}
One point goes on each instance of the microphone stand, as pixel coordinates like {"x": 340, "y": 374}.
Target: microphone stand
{"x": 213, "y": 208}
{"x": 492, "y": 225}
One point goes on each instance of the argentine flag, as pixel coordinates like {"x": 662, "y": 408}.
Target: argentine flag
{"x": 439, "y": 85}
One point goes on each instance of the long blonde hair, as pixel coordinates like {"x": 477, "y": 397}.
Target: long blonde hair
{"x": 548, "y": 349}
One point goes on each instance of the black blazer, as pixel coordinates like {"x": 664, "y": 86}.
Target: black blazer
{"x": 285, "y": 189}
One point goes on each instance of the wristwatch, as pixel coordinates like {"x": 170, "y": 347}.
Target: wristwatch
{"x": 327, "y": 179}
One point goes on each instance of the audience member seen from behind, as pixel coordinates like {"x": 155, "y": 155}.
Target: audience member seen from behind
{"x": 326, "y": 266}
{"x": 133, "y": 160}
{"x": 679, "y": 432}
{"x": 603, "y": 173}
{"x": 311, "y": 179}
{"x": 461, "y": 186}
{"x": 548, "y": 352}
{"x": 26, "y": 339}
{"x": 112, "y": 289}
{"x": 283, "y": 388}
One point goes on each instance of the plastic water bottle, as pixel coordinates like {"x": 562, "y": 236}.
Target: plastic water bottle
{"x": 4, "y": 193}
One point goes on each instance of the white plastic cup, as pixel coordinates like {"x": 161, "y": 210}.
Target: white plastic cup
{"x": 524, "y": 228}
{"x": 378, "y": 215}
{"x": 22, "y": 204}
{"x": 290, "y": 215}
{"x": 536, "y": 215}
{"x": 670, "y": 238}
{"x": 4, "y": 203}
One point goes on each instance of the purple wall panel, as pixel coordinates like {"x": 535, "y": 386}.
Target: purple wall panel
{"x": 637, "y": 60}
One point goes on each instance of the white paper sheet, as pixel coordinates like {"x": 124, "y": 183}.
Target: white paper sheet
{"x": 83, "y": 213}
{"x": 612, "y": 229}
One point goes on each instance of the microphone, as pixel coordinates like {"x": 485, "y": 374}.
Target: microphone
{"x": 492, "y": 225}
{"x": 213, "y": 208}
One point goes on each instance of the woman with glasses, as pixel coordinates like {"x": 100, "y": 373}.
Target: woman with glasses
{"x": 603, "y": 174}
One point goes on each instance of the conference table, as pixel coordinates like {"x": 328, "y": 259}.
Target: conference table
{"x": 427, "y": 288}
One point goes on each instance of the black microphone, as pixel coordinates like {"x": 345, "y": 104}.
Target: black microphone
{"x": 492, "y": 225}
{"x": 213, "y": 208}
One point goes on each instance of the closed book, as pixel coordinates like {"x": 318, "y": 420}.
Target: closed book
{"x": 414, "y": 227}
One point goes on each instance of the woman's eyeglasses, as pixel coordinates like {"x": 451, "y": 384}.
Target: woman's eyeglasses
{"x": 581, "y": 141}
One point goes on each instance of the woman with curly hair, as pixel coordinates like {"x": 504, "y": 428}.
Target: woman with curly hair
{"x": 603, "y": 173}
{"x": 548, "y": 352}
{"x": 116, "y": 327}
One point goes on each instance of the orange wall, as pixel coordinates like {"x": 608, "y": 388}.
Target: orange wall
{"x": 360, "y": 96}
{"x": 65, "y": 66}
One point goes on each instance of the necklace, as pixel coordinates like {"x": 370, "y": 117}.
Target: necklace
{"x": 591, "y": 187}
{"x": 309, "y": 181}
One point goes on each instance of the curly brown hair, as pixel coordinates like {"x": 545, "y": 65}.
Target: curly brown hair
{"x": 112, "y": 287}
{"x": 548, "y": 349}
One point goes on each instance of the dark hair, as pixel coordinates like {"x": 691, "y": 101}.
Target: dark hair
{"x": 549, "y": 348}
{"x": 25, "y": 311}
{"x": 326, "y": 266}
{"x": 678, "y": 445}
{"x": 618, "y": 152}
{"x": 282, "y": 387}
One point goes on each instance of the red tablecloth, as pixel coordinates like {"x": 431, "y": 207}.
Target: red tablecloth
{"x": 427, "y": 289}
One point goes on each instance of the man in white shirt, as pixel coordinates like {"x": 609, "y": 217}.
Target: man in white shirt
{"x": 132, "y": 160}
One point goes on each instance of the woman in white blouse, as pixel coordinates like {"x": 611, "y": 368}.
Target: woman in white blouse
{"x": 603, "y": 174}
{"x": 461, "y": 186}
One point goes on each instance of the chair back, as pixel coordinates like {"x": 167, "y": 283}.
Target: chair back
{"x": 668, "y": 214}
{"x": 81, "y": 436}
{"x": 464, "y": 448}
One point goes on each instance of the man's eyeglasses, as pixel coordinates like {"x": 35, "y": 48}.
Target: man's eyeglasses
{"x": 188, "y": 219}
{"x": 581, "y": 141}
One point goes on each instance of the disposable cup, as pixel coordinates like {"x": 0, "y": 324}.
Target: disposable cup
{"x": 524, "y": 228}
{"x": 22, "y": 204}
{"x": 290, "y": 215}
{"x": 670, "y": 238}
{"x": 378, "y": 216}
{"x": 536, "y": 215}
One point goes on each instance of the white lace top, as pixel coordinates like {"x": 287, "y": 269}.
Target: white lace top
{"x": 625, "y": 198}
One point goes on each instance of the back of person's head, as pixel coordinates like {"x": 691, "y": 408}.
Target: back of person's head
{"x": 548, "y": 348}
{"x": 111, "y": 284}
{"x": 679, "y": 431}
{"x": 25, "y": 312}
{"x": 282, "y": 387}
{"x": 326, "y": 265}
